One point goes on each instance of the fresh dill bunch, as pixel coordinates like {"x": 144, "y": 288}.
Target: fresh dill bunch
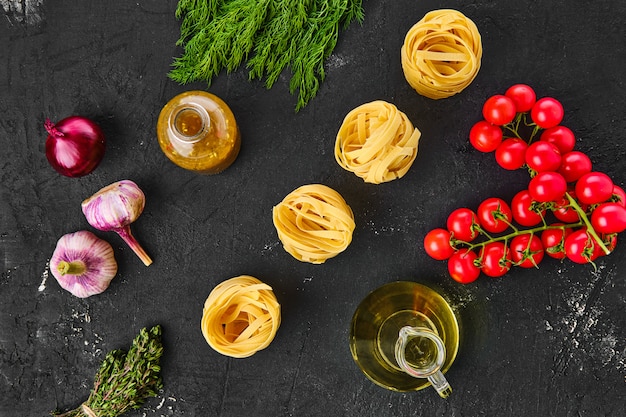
{"x": 271, "y": 35}
{"x": 125, "y": 380}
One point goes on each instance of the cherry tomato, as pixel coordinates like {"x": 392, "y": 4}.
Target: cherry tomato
{"x": 462, "y": 266}
{"x": 560, "y": 136}
{"x": 609, "y": 218}
{"x": 553, "y": 240}
{"x": 499, "y": 110}
{"x": 511, "y": 154}
{"x": 547, "y": 112}
{"x": 547, "y": 186}
{"x": 485, "y": 137}
{"x": 574, "y": 165}
{"x": 495, "y": 259}
{"x": 462, "y": 223}
{"x": 565, "y": 212}
{"x": 523, "y": 96}
{"x": 594, "y": 188}
{"x": 494, "y": 215}
{"x": 581, "y": 248}
{"x": 526, "y": 250}
{"x": 437, "y": 244}
{"x": 525, "y": 210}
{"x": 543, "y": 156}
{"x": 619, "y": 196}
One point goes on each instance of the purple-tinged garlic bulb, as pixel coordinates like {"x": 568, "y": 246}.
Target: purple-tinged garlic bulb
{"x": 114, "y": 208}
{"x": 83, "y": 264}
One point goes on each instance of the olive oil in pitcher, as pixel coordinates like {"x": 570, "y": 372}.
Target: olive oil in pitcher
{"x": 404, "y": 336}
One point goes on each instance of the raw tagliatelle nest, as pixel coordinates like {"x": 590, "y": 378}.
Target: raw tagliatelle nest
{"x": 314, "y": 223}
{"x": 441, "y": 54}
{"x": 377, "y": 142}
{"x": 240, "y": 317}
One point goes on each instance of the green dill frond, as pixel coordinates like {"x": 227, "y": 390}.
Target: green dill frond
{"x": 271, "y": 35}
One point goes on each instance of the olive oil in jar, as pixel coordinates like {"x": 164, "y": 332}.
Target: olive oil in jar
{"x": 376, "y": 325}
{"x": 198, "y": 131}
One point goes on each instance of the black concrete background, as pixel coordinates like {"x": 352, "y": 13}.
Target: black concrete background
{"x": 540, "y": 342}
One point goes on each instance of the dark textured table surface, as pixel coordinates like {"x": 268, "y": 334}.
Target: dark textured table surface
{"x": 537, "y": 342}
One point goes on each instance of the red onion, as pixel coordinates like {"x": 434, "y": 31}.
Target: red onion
{"x": 75, "y": 145}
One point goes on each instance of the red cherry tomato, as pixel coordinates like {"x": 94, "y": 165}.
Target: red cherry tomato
{"x": 543, "y": 156}
{"x": 526, "y": 250}
{"x": 565, "y": 212}
{"x": 437, "y": 244}
{"x": 547, "y": 112}
{"x": 525, "y": 210}
{"x": 547, "y": 186}
{"x": 619, "y": 196}
{"x": 495, "y": 259}
{"x": 499, "y": 110}
{"x": 494, "y": 215}
{"x": 462, "y": 266}
{"x": 594, "y": 188}
{"x": 553, "y": 240}
{"x": 581, "y": 248}
{"x": 609, "y": 218}
{"x": 511, "y": 154}
{"x": 462, "y": 223}
{"x": 523, "y": 96}
{"x": 574, "y": 165}
{"x": 560, "y": 136}
{"x": 485, "y": 137}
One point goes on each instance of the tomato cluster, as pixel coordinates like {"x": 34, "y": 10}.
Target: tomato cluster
{"x": 569, "y": 211}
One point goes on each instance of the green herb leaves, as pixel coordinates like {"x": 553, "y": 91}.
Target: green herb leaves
{"x": 125, "y": 380}
{"x": 270, "y": 35}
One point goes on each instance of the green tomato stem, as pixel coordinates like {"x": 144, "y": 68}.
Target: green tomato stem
{"x": 590, "y": 229}
{"x": 532, "y": 231}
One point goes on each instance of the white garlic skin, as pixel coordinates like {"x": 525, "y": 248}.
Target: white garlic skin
{"x": 94, "y": 253}
{"x": 114, "y": 206}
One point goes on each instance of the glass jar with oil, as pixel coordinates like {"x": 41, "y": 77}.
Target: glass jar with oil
{"x": 404, "y": 337}
{"x": 198, "y": 131}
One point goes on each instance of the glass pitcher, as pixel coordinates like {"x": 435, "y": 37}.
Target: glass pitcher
{"x": 404, "y": 337}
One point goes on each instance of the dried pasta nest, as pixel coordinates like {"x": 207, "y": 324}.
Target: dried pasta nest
{"x": 314, "y": 223}
{"x": 441, "y": 54}
{"x": 240, "y": 317}
{"x": 377, "y": 142}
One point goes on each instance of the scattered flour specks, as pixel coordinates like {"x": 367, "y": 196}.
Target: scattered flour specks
{"x": 268, "y": 247}
{"x": 337, "y": 61}
{"x": 589, "y": 335}
{"x": 167, "y": 406}
{"x": 44, "y": 275}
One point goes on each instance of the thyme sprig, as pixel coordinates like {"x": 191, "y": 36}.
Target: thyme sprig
{"x": 270, "y": 35}
{"x": 125, "y": 380}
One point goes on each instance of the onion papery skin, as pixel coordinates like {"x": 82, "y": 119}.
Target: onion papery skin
{"x": 75, "y": 146}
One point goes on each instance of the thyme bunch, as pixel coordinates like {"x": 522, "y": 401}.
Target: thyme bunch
{"x": 124, "y": 380}
{"x": 270, "y": 35}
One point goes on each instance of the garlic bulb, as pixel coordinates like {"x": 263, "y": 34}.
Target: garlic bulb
{"x": 114, "y": 208}
{"x": 83, "y": 264}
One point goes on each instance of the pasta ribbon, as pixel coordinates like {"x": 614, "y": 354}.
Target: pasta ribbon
{"x": 240, "y": 317}
{"x": 441, "y": 54}
{"x": 377, "y": 142}
{"x": 314, "y": 223}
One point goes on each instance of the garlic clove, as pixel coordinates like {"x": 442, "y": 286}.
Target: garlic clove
{"x": 114, "y": 208}
{"x": 83, "y": 264}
